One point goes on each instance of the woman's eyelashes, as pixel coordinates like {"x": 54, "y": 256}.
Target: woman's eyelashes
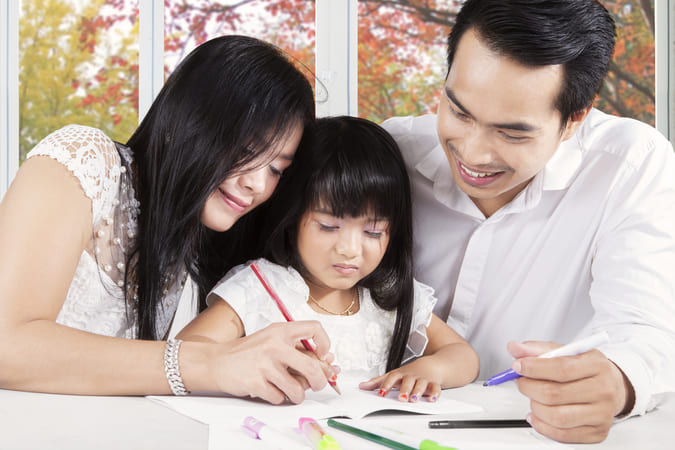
{"x": 276, "y": 171}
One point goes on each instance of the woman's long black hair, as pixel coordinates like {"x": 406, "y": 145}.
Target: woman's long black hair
{"x": 226, "y": 103}
{"x": 354, "y": 168}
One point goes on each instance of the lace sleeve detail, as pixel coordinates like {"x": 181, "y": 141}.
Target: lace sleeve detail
{"x": 91, "y": 157}
{"x": 422, "y": 310}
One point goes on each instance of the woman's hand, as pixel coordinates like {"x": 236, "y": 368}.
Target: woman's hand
{"x": 414, "y": 381}
{"x": 268, "y": 364}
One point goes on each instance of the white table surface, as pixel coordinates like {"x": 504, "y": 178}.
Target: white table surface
{"x": 46, "y": 421}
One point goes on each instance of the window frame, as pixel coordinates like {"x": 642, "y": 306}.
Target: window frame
{"x": 336, "y": 49}
{"x": 9, "y": 92}
{"x": 664, "y": 50}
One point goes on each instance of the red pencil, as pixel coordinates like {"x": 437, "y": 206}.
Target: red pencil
{"x": 286, "y": 313}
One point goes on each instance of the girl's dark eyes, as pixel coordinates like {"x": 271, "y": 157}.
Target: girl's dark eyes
{"x": 371, "y": 234}
{"x": 326, "y": 227}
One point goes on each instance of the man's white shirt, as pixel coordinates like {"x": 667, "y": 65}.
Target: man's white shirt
{"x": 588, "y": 245}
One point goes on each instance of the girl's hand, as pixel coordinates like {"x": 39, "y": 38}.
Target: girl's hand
{"x": 448, "y": 361}
{"x": 414, "y": 381}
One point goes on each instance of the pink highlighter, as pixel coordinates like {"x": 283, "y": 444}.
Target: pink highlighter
{"x": 315, "y": 434}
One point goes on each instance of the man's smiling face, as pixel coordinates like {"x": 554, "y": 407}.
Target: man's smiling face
{"x": 498, "y": 123}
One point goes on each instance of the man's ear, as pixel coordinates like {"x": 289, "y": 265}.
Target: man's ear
{"x": 575, "y": 122}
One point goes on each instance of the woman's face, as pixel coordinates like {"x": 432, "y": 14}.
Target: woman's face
{"x": 254, "y": 184}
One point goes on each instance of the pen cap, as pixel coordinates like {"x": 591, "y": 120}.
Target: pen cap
{"x": 252, "y": 427}
{"x": 303, "y": 420}
{"x": 315, "y": 434}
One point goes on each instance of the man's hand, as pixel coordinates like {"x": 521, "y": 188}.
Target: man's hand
{"x": 573, "y": 398}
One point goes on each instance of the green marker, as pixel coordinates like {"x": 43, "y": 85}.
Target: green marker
{"x": 388, "y": 438}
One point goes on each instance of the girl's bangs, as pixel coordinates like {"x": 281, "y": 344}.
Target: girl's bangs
{"x": 355, "y": 194}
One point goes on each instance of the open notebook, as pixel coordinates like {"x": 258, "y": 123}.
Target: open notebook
{"x": 353, "y": 403}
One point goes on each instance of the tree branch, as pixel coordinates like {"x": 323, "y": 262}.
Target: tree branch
{"x": 618, "y": 105}
{"x": 426, "y": 14}
{"x": 629, "y": 78}
{"x": 647, "y": 13}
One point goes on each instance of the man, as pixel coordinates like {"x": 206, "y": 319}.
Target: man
{"x": 540, "y": 218}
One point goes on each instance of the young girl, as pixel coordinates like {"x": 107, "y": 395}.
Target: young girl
{"x": 342, "y": 255}
{"x": 100, "y": 240}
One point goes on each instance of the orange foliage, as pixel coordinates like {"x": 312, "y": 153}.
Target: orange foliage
{"x": 401, "y": 48}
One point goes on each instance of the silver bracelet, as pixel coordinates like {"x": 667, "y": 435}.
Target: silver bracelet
{"x": 171, "y": 367}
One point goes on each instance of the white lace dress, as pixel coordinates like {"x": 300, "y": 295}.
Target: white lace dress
{"x": 360, "y": 342}
{"x": 95, "y": 300}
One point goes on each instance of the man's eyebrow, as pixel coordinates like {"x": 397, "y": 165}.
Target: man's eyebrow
{"x": 516, "y": 126}
{"x": 454, "y": 100}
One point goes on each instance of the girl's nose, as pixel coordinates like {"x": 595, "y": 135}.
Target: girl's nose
{"x": 349, "y": 243}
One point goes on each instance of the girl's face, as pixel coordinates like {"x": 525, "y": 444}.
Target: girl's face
{"x": 242, "y": 192}
{"x": 337, "y": 252}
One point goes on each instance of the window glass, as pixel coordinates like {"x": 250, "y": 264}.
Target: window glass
{"x": 288, "y": 24}
{"x": 79, "y": 58}
{"x": 402, "y": 57}
{"x": 78, "y": 64}
{"x": 629, "y": 87}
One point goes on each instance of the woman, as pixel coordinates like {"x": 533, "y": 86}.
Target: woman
{"x": 100, "y": 241}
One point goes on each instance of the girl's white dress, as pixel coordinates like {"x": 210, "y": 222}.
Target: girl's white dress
{"x": 360, "y": 342}
{"x": 95, "y": 301}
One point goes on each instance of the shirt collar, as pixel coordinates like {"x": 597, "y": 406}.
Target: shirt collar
{"x": 559, "y": 171}
{"x": 556, "y": 175}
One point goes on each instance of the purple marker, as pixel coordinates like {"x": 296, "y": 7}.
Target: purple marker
{"x": 573, "y": 348}
{"x": 274, "y": 438}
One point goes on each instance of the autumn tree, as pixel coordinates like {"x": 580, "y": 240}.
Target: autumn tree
{"x": 80, "y": 66}
{"x": 75, "y": 67}
{"x": 402, "y": 47}
{"x": 629, "y": 87}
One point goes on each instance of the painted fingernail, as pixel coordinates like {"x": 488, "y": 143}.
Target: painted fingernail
{"x": 433, "y": 398}
{"x": 413, "y": 398}
{"x": 334, "y": 377}
{"x": 404, "y": 396}
{"x": 516, "y": 366}
{"x": 382, "y": 393}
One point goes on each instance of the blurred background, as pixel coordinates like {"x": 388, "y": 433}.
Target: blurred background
{"x": 79, "y": 60}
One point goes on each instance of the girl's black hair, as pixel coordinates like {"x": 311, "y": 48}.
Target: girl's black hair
{"x": 354, "y": 168}
{"x": 225, "y": 104}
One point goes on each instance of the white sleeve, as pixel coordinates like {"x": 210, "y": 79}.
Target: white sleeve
{"x": 416, "y": 136}
{"x": 91, "y": 157}
{"x": 633, "y": 270}
{"x": 422, "y": 309}
{"x": 242, "y": 290}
